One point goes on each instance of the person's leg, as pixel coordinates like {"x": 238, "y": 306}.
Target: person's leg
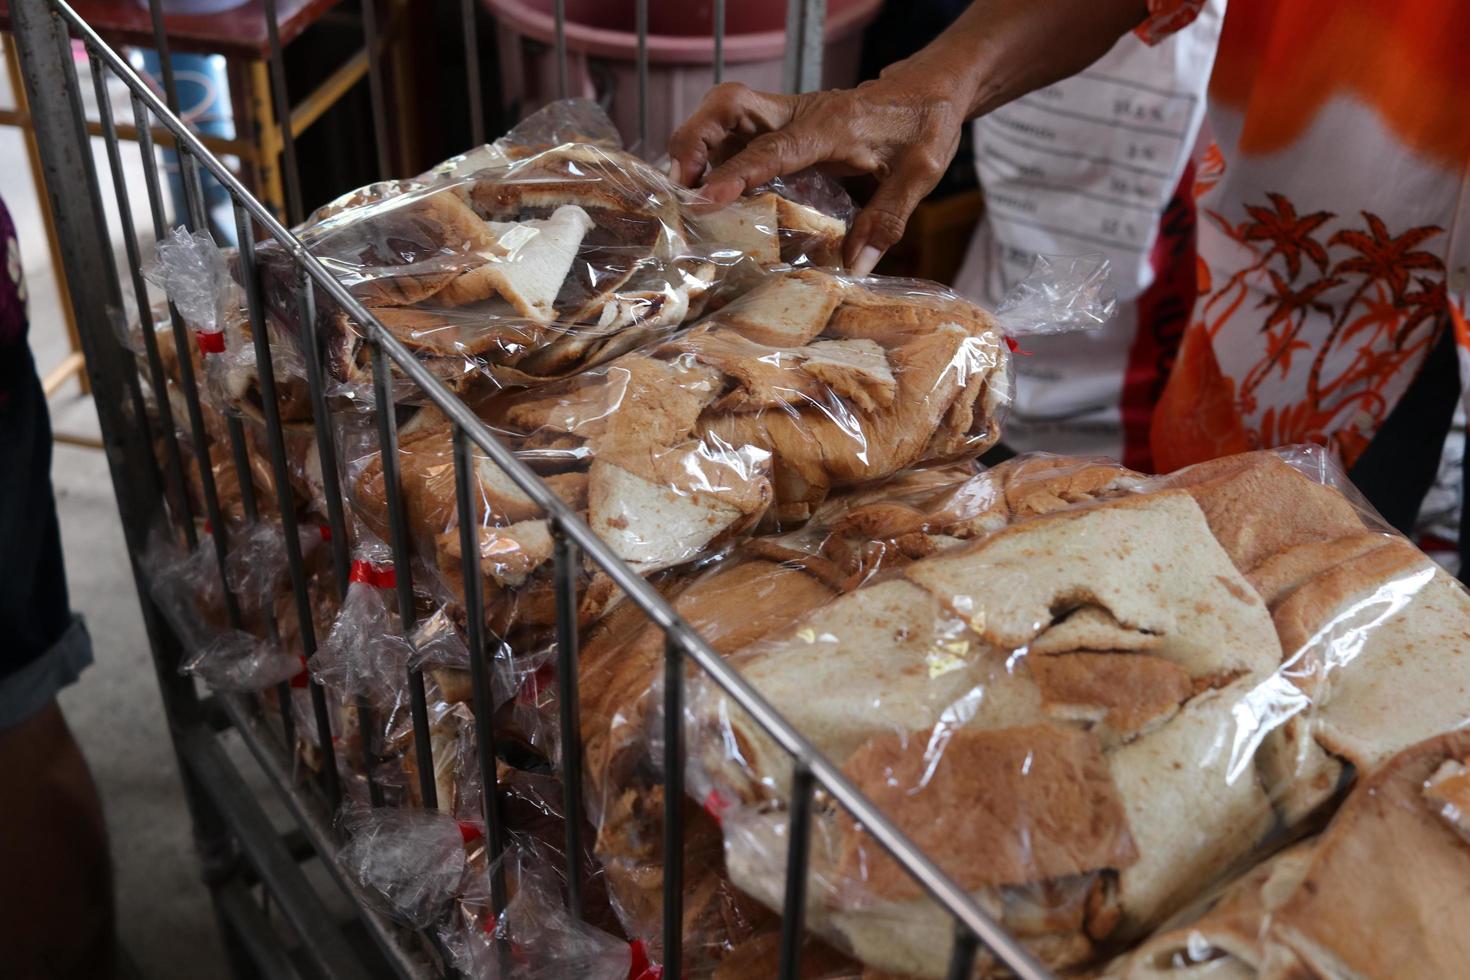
{"x": 1400, "y": 464}
{"x": 57, "y": 884}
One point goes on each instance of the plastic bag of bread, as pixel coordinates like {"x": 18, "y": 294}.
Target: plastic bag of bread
{"x": 549, "y": 251}
{"x": 533, "y": 937}
{"x": 810, "y": 382}
{"x": 196, "y": 276}
{"x": 1090, "y": 716}
{"x": 1378, "y": 893}
{"x": 411, "y": 863}
{"x": 757, "y": 590}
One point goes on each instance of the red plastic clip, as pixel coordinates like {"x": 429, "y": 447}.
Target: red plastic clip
{"x": 535, "y": 683}
{"x": 470, "y": 832}
{"x": 638, "y": 966}
{"x": 716, "y": 805}
{"x": 302, "y": 678}
{"x": 325, "y": 530}
{"x": 211, "y": 341}
{"x": 369, "y": 574}
{"x": 1016, "y": 347}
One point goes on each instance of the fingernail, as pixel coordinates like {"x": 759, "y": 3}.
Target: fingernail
{"x": 866, "y": 259}
{"x": 722, "y": 191}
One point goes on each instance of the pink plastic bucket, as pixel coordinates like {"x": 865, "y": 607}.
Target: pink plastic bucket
{"x": 602, "y": 53}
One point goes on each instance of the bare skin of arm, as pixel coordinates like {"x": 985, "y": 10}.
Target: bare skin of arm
{"x": 904, "y": 126}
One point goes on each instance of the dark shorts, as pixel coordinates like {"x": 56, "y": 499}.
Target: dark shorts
{"x": 43, "y": 645}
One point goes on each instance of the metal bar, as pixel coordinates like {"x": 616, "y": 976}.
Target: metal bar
{"x": 719, "y": 41}
{"x": 798, "y": 852}
{"x": 173, "y": 461}
{"x": 65, "y": 160}
{"x": 673, "y": 807}
{"x": 642, "y": 19}
{"x": 324, "y": 96}
{"x": 193, "y": 192}
{"x": 240, "y": 453}
{"x": 331, "y": 780}
{"x": 276, "y": 442}
{"x": 805, "y": 20}
{"x": 322, "y": 426}
{"x": 375, "y": 86}
{"x": 928, "y": 876}
{"x": 962, "y": 954}
{"x": 165, "y": 64}
{"x": 560, "y": 10}
{"x": 327, "y": 948}
{"x": 310, "y": 814}
{"x": 472, "y": 70}
{"x": 479, "y": 678}
{"x": 568, "y": 703}
{"x": 197, "y": 432}
{"x": 249, "y": 924}
{"x": 402, "y": 571}
{"x": 283, "y": 114}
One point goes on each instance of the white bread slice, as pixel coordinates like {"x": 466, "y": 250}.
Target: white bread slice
{"x": 652, "y": 526}
{"x": 538, "y": 256}
{"x": 807, "y": 233}
{"x": 787, "y": 310}
{"x": 749, "y": 224}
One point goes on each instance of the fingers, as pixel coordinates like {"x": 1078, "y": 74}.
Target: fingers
{"x": 729, "y": 111}
{"x": 767, "y": 157}
{"x": 880, "y": 224}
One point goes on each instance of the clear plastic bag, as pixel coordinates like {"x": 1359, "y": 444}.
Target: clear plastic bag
{"x": 534, "y": 938}
{"x": 1377, "y": 893}
{"x": 547, "y": 252}
{"x": 1120, "y": 692}
{"x": 410, "y": 862}
{"x": 810, "y": 382}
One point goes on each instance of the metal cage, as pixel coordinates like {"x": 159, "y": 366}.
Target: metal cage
{"x": 239, "y": 846}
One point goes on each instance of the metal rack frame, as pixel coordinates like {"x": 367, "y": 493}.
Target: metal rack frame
{"x": 238, "y": 843}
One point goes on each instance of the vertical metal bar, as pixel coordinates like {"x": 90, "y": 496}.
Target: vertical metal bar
{"x": 561, "y": 48}
{"x": 402, "y": 573}
{"x": 570, "y": 711}
{"x": 71, "y": 185}
{"x": 642, "y": 19}
{"x": 187, "y": 383}
{"x": 240, "y": 453}
{"x": 798, "y": 849}
{"x": 282, "y": 102}
{"x": 375, "y": 86}
{"x": 193, "y": 191}
{"x": 165, "y": 64}
{"x": 173, "y": 460}
{"x": 280, "y": 469}
{"x": 962, "y": 954}
{"x": 673, "y": 806}
{"x": 472, "y": 70}
{"x": 469, "y": 546}
{"x": 322, "y": 426}
{"x": 805, "y": 20}
{"x": 719, "y": 41}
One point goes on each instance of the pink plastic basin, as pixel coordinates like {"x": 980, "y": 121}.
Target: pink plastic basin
{"x": 679, "y": 31}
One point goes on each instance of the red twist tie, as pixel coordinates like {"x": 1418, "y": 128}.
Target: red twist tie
{"x": 638, "y": 966}
{"x": 325, "y": 530}
{"x": 468, "y": 831}
{"x": 716, "y": 805}
{"x": 535, "y": 683}
{"x": 366, "y": 572}
{"x": 210, "y": 341}
{"x": 208, "y": 527}
{"x": 1016, "y": 347}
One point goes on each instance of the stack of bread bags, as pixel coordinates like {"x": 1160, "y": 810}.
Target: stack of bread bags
{"x": 811, "y": 381}
{"x": 1087, "y": 718}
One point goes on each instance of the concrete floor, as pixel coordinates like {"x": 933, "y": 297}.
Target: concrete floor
{"x": 165, "y": 918}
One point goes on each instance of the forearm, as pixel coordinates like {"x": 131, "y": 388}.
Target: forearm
{"x": 999, "y": 50}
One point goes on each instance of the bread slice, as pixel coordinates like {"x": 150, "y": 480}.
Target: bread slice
{"x": 749, "y": 224}
{"x": 810, "y": 235}
{"x": 653, "y": 525}
{"x": 537, "y": 256}
{"x": 787, "y": 310}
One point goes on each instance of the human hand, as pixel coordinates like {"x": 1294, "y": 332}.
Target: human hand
{"x": 903, "y": 128}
